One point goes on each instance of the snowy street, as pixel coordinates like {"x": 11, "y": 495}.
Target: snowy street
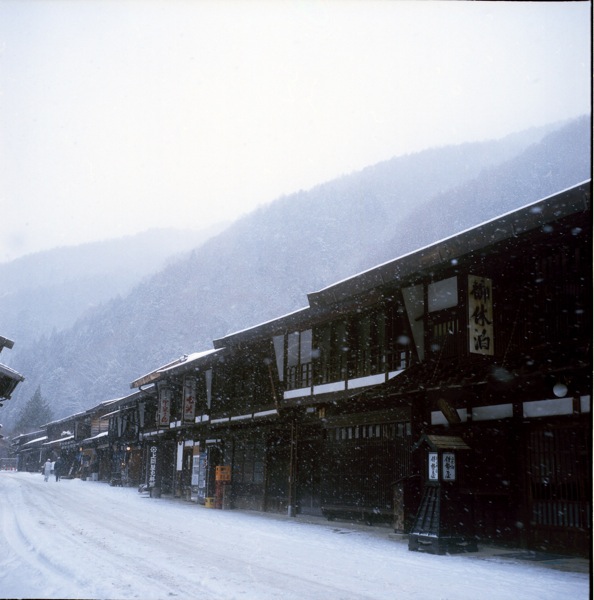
{"x": 82, "y": 539}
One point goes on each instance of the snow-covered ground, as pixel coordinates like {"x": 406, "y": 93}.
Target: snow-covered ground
{"x": 82, "y": 539}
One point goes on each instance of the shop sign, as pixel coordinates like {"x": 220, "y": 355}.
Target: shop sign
{"x": 449, "y": 466}
{"x": 480, "y": 315}
{"x": 195, "y": 467}
{"x": 152, "y": 478}
{"x": 164, "y": 414}
{"x": 223, "y": 473}
{"x": 199, "y": 476}
{"x": 189, "y": 399}
{"x": 433, "y": 467}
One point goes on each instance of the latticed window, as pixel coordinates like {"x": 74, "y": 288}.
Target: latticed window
{"x": 299, "y": 356}
{"x": 384, "y": 431}
{"x": 333, "y": 344}
{"x": 446, "y": 337}
{"x": 560, "y": 487}
{"x": 248, "y": 462}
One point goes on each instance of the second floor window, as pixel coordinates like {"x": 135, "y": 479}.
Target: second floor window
{"x": 299, "y": 356}
{"x": 367, "y": 344}
{"x": 333, "y": 344}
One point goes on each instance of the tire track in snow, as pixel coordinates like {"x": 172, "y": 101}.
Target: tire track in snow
{"x": 72, "y": 517}
{"x": 58, "y": 532}
{"x": 23, "y": 549}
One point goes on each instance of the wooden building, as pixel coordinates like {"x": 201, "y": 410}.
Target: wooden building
{"x": 9, "y": 378}
{"x": 484, "y": 336}
{"x": 446, "y": 393}
{"x": 64, "y": 440}
{"x": 126, "y": 419}
{"x": 173, "y": 411}
{"x": 27, "y": 449}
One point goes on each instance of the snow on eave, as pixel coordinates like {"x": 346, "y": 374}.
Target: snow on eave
{"x": 110, "y": 414}
{"x": 182, "y": 361}
{"x": 58, "y": 440}
{"x": 11, "y": 373}
{"x": 122, "y": 399}
{"x": 104, "y": 404}
{"x": 64, "y": 419}
{"x": 29, "y": 434}
{"x": 436, "y": 252}
{"x": 191, "y": 359}
{"x": 39, "y": 439}
{"x": 266, "y": 326}
{"x": 96, "y": 437}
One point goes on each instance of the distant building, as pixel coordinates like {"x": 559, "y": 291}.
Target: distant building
{"x": 27, "y": 448}
{"x": 9, "y": 378}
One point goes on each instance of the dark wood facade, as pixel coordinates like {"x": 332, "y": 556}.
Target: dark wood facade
{"x": 486, "y": 336}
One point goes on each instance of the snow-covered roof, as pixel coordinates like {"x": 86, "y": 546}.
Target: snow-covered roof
{"x": 263, "y": 328}
{"x": 9, "y": 379}
{"x": 63, "y": 439}
{"x": 110, "y": 414}
{"x": 35, "y": 441}
{"x": 8, "y": 372}
{"x": 127, "y": 401}
{"x": 181, "y": 363}
{"x": 187, "y": 360}
{"x": 96, "y": 437}
{"x": 29, "y": 434}
{"x": 108, "y": 402}
{"x": 65, "y": 419}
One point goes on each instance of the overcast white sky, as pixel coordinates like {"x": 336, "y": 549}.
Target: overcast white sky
{"x": 118, "y": 116}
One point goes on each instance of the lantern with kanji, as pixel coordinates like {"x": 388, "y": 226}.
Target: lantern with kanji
{"x": 444, "y": 521}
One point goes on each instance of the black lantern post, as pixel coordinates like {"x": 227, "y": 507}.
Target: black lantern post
{"x": 444, "y": 521}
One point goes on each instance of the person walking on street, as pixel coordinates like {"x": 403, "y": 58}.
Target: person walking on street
{"x": 47, "y": 469}
{"x": 58, "y": 468}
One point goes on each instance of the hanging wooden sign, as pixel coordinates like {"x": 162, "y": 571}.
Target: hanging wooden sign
{"x": 480, "y": 315}
{"x": 223, "y": 473}
{"x": 189, "y": 399}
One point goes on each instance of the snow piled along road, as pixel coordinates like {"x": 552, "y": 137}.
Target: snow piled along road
{"x": 79, "y": 539}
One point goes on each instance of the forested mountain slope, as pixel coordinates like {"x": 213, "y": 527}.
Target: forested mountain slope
{"x": 52, "y": 289}
{"x": 561, "y": 160}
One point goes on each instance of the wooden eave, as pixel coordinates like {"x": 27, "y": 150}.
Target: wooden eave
{"x": 181, "y": 365}
{"x": 442, "y": 442}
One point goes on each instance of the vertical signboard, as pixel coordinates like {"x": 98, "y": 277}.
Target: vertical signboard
{"x": 189, "y": 399}
{"x": 164, "y": 413}
{"x": 449, "y": 466}
{"x": 198, "y": 475}
{"x": 208, "y": 377}
{"x": 480, "y": 315}
{"x": 152, "y": 467}
{"x": 433, "y": 467}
